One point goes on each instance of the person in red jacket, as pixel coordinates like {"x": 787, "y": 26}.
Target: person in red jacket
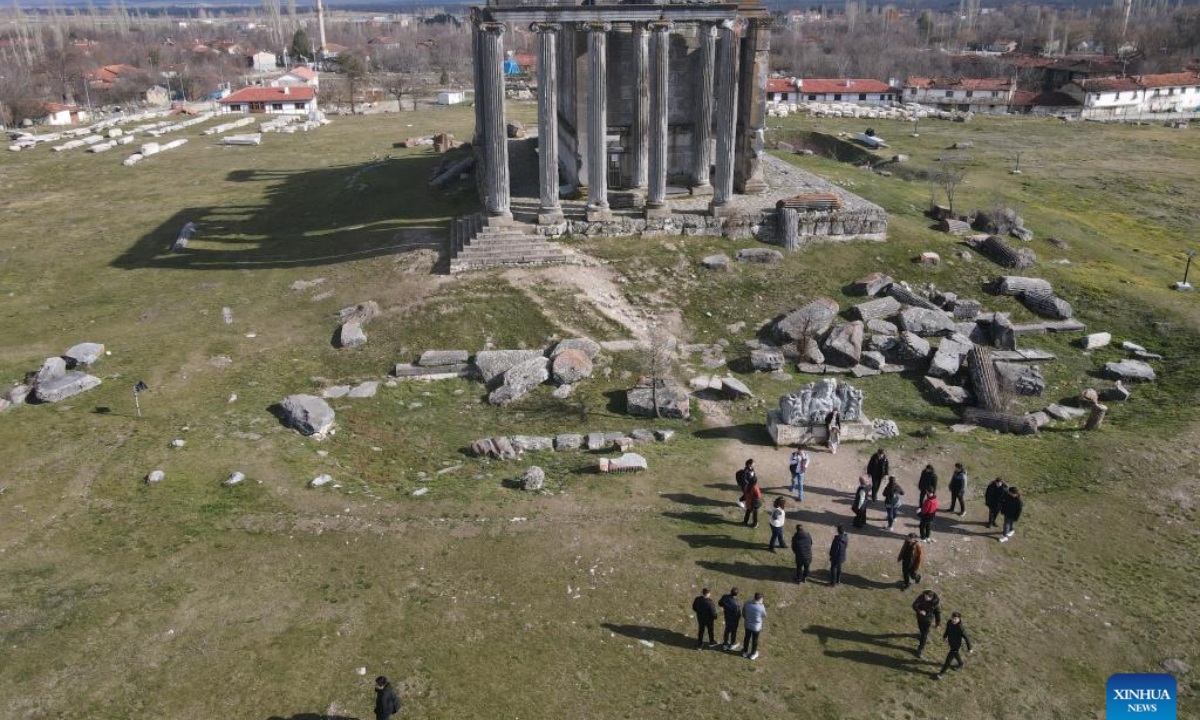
{"x": 929, "y": 509}
{"x": 753, "y": 499}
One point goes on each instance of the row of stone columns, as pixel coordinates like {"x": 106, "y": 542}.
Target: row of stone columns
{"x": 718, "y": 87}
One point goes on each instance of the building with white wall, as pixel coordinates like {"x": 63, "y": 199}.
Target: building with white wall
{"x": 285, "y": 100}
{"x": 851, "y": 90}
{"x": 1117, "y": 97}
{"x": 981, "y": 95}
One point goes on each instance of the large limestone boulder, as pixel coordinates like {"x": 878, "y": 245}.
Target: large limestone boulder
{"x": 843, "y": 345}
{"x": 587, "y": 346}
{"x": 308, "y": 415}
{"x": 673, "y": 402}
{"x": 944, "y": 393}
{"x": 52, "y": 367}
{"x": 926, "y": 322}
{"x": 84, "y": 354}
{"x": 1021, "y": 379}
{"x": 766, "y": 359}
{"x": 493, "y": 364}
{"x": 1130, "y": 371}
{"x": 520, "y": 379}
{"x": 810, "y": 320}
{"x": 911, "y": 347}
{"x": 533, "y": 479}
{"x": 949, "y": 357}
{"x": 498, "y": 448}
{"x": 570, "y": 366}
{"x": 64, "y": 386}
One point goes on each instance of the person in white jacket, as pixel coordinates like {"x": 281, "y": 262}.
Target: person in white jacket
{"x": 778, "y": 518}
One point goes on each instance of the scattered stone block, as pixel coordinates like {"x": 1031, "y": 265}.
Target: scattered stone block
{"x": 673, "y": 402}
{"x": 498, "y": 448}
{"x": 155, "y": 476}
{"x": 52, "y": 367}
{"x": 587, "y": 346}
{"x": 1116, "y": 393}
{"x": 308, "y": 415}
{"x": 884, "y": 307}
{"x": 337, "y": 391}
{"x": 929, "y": 258}
{"x": 948, "y": 359}
{"x": 61, "y": 387}
{"x": 717, "y": 262}
{"x": 1130, "y": 371}
{"x": 531, "y": 443}
{"x": 871, "y": 285}
{"x": 843, "y": 344}
{"x": 925, "y": 322}
{"x": 1046, "y": 305}
{"x": 320, "y": 480}
{"x": 642, "y": 435}
{"x": 944, "y": 393}
{"x": 570, "y": 366}
{"x": 236, "y": 478}
{"x": 735, "y": 388}
{"x": 965, "y": 309}
{"x": 767, "y": 359}
{"x": 84, "y": 354}
{"x": 533, "y": 479}
{"x": 351, "y": 334}
{"x": 1022, "y": 379}
{"x": 443, "y": 358}
{"x": 364, "y": 390}
{"x": 664, "y": 435}
{"x": 911, "y": 347}
{"x": 596, "y": 441}
{"x": 493, "y": 364}
{"x": 809, "y": 321}
{"x": 882, "y": 327}
{"x": 1014, "y": 285}
{"x": 18, "y": 394}
{"x": 520, "y": 379}
{"x": 629, "y": 462}
{"x": 759, "y": 255}
{"x": 873, "y": 359}
{"x": 1095, "y": 341}
{"x": 562, "y": 392}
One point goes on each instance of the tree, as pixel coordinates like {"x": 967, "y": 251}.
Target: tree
{"x": 950, "y": 174}
{"x": 301, "y": 45}
{"x": 397, "y": 85}
{"x": 353, "y": 67}
{"x": 656, "y": 358}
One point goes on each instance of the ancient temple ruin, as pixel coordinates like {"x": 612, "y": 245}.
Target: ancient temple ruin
{"x": 651, "y": 120}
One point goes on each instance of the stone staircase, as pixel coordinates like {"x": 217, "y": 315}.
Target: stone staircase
{"x": 478, "y": 242}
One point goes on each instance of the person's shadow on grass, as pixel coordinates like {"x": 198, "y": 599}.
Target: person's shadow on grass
{"x": 312, "y": 716}
{"x": 661, "y": 636}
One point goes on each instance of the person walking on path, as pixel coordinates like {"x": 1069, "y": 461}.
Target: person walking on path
{"x": 752, "y": 501}
{"x": 1011, "y": 510}
{"x": 958, "y": 489}
{"x": 778, "y": 518}
{"x": 837, "y": 555}
{"x": 754, "y": 613}
{"x": 892, "y": 493}
{"x": 833, "y": 431}
{"x": 706, "y": 615}
{"x": 745, "y": 478}
{"x": 911, "y": 555}
{"x": 802, "y": 549}
{"x": 993, "y": 497}
{"x": 798, "y": 467}
{"x": 862, "y": 497}
{"x": 955, "y": 636}
{"x": 878, "y": 468}
{"x": 928, "y": 511}
{"x": 927, "y": 484}
{"x": 386, "y": 702}
{"x": 732, "y": 607}
{"x": 928, "y": 608}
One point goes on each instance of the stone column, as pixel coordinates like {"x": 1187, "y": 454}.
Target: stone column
{"x": 702, "y": 132}
{"x": 753, "y": 111}
{"x": 549, "y": 210}
{"x": 597, "y": 108}
{"x": 660, "y": 56}
{"x": 476, "y": 58}
{"x": 726, "y": 104}
{"x": 496, "y": 188}
{"x": 641, "y": 113}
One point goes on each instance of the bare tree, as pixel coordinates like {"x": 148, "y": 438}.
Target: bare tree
{"x": 951, "y": 173}
{"x": 656, "y": 360}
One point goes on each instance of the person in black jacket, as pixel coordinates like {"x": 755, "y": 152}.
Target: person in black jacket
{"x": 802, "y": 549}
{"x": 862, "y": 497}
{"x": 955, "y": 636}
{"x": 386, "y": 702}
{"x": 706, "y": 615}
{"x": 958, "y": 489}
{"x": 1011, "y": 510}
{"x": 744, "y": 478}
{"x": 993, "y": 497}
{"x": 877, "y": 467}
{"x": 927, "y": 606}
{"x": 733, "y": 615}
{"x": 927, "y": 484}
{"x": 837, "y": 555}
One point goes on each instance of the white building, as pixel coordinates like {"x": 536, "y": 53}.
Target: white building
{"x": 981, "y": 95}
{"x": 1116, "y": 97}
{"x": 285, "y": 100}
{"x": 852, "y": 90}
{"x": 263, "y": 61}
{"x": 59, "y": 114}
{"x": 299, "y": 76}
{"x": 450, "y": 97}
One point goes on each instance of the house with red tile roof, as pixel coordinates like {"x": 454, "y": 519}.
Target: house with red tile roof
{"x": 285, "y": 100}
{"x": 58, "y": 114}
{"x": 986, "y": 95}
{"x": 301, "y": 75}
{"x": 1136, "y": 96}
{"x": 108, "y": 75}
{"x": 850, "y": 90}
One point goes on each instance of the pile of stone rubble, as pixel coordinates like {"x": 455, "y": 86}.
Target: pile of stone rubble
{"x": 57, "y": 379}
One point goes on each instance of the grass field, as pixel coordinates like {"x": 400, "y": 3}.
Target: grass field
{"x": 191, "y": 600}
